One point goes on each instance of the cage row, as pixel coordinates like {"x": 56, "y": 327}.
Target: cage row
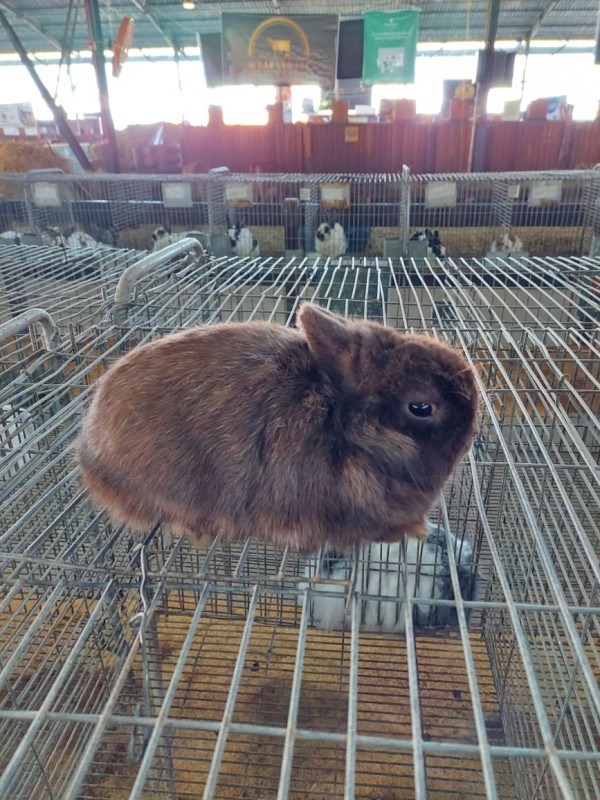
{"x": 458, "y": 215}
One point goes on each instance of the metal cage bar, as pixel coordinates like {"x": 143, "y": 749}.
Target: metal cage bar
{"x": 129, "y": 663}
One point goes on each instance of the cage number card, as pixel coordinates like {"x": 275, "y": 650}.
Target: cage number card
{"x": 335, "y": 195}
{"x": 46, "y": 195}
{"x": 238, "y": 194}
{"x": 440, "y": 195}
{"x": 544, "y": 193}
{"x": 177, "y": 195}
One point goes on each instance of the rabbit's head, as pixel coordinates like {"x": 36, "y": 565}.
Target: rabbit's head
{"x": 405, "y": 405}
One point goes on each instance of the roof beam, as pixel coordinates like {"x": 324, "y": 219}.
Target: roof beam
{"x": 540, "y": 19}
{"x": 30, "y": 21}
{"x": 153, "y": 19}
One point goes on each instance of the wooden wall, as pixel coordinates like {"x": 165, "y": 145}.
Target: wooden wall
{"x": 439, "y": 146}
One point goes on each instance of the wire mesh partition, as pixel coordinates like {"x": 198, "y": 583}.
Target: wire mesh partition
{"x": 147, "y": 666}
{"x": 535, "y": 213}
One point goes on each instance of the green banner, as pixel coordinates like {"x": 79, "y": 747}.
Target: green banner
{"x": 280, "y": 50}
{"x": 390, "y": 46}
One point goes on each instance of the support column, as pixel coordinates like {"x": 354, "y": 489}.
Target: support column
{"x": 92, "y": 12}
{"x": 484, "y": 79}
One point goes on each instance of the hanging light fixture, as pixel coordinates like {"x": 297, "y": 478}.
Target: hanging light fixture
{"x": 189, "y": 5}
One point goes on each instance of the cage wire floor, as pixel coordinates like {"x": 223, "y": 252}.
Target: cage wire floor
{"x": 148, "y": 667}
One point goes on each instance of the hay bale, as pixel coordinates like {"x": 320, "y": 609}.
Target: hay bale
{"x": 271, "y": 238}
{"x": 18, "y": 157}
{"x": 468, "y": 242}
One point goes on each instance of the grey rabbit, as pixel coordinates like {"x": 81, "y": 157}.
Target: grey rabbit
{"x": 387, "y": 571}
{"x": 344, "y": 431}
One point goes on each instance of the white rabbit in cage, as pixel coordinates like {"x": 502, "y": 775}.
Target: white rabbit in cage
{"x": 11, "y": 236}
{"x": 385, "y": 571}
{"x": 78, "y": 239}
{"x": 330, "y": 240}
{"x": 507, "y": 242}
{"x": 242, "y": 241}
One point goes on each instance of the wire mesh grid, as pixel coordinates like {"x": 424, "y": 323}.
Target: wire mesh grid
{"x": 535, "y": 213}
{"x": 162, "y": 669}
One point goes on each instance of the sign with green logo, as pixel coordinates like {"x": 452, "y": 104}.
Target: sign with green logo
{"x": 390, "y": 46}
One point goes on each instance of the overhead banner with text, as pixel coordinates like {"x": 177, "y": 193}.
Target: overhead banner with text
{"x": 279, "y": 51}
{"x": 390, "y": 46}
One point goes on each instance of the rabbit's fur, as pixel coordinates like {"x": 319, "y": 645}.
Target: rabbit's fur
{"x": 300, "y": 437}
{"x": 421, "y": 570}
{"x": 243, "y": 243}
{"x": 330, "y": 240}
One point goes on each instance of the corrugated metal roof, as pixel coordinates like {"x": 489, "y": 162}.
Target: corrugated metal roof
{"x": 44, "y": 25}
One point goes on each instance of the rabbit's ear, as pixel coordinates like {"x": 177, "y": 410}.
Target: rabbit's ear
{"x": 328, "y": 336}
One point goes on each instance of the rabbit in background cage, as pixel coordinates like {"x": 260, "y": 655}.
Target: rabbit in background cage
{"x": 73, "y": 237}
{"x": 418, "y": 569}
{"x": 11, "y": 236}
{"x": 507, "y": 242}
{"x": 434, "y": 243}
{"x": 242, "y": 241}
{"x": 163, "y": 236}
{"x": 343, "y": 432}
{"x": 330, "y": 240}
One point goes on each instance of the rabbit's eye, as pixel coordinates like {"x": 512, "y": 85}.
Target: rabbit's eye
{"x": 420, "y": 409}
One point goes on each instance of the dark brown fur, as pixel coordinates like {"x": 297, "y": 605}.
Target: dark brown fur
{"x": 300, "y": 438}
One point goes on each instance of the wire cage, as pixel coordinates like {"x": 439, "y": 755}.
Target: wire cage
{"x": 536, "y": 213}
{"x": 474, "y": 214}
{"x": 148, "y": 666}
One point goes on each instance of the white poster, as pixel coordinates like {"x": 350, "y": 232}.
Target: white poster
{"x": 17, "y": 115}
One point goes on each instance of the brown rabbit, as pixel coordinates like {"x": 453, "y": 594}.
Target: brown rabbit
{"x": 344, "y": 432}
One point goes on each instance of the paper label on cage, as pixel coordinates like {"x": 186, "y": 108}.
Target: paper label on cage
{"x": 335, "y": 195}
{"x": 305, "y": 194}
{"x": 46, "y": 195}
{"x": 238, "y": 194}
{"x": 542, "y": 193}
{"x": 177, "y": 195}
{"x": 513, "y": 191}
{"x": 440, "y": 195}
{"x": 351, "y": 134}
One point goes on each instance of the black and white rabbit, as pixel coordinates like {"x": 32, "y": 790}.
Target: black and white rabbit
{"x": 163, "y": 236}
{"x": 243, "y": 243}
{"x": 330, "y": 240}
{"x": 421, "y": 570}
{"x": 434, "y": 243}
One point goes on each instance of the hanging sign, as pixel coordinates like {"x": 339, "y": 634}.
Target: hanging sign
{"x": 390, "y": 46}
{"x": 279, "y": 51}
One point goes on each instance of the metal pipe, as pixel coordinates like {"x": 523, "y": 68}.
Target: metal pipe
{"x": 19, "y": 324}
{"x": 124, "y": 290}
{"x": 58, "y": 112}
